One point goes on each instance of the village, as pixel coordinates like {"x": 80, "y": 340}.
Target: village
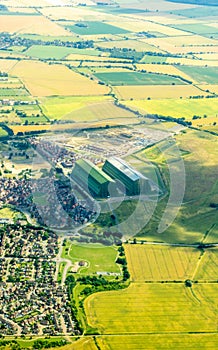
{"x": 31, "y": 301}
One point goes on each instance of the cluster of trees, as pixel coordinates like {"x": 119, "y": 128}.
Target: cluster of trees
{"x": 106, "y": 237}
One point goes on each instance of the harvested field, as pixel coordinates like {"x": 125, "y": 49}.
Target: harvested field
{"x": 42, "y": 79}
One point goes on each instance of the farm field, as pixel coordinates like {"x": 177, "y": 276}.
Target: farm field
{"x": 83, "y": 109}
{"x": 203, "y": 75}
{"x": 160, "y": 342}
{"x": 163, "y": 308}
{"x": 30, "y": 25}
{"x": 136, "y": 78}
{"x": 160, "y": 263}
{"x": 42, "y": 79}
{"x": 157, "y": 92}
{"x": 93, "y": 28}
{"x": 3, "y": 133}
{"x": 139, "y": 46}
{"x": 178, "y": 108}
{"x": 207, "y": 269}
{"x": 55, "y": 52}
{"x": 98, "y": 258}
{"x": 6, "y": 64}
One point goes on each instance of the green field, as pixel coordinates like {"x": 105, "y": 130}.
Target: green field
{"x": 153, "y": 59}
{"x": 199, "y": 11}
{"x": 196, "y": 28}
{"x": 137, "y": 78}
{"x": 57, "y": 52}
{"x": 3, "y": 133}
{"x": 206, "y": 75}
{"x": 13, "y": 92}
{"x": 92, "y": 28}
{"x": 98, "y": 257}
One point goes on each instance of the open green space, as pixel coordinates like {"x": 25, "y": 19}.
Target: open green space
{"x": 200, "y": 11}
{"x": 153, "y": 59}
{"x": 137, "y": 78}
{"x": 57, "y": 52}
{"x": 3, "y": 133}
{"x": 13, "y": 92}
{"x": 196, "y": 28}
{"x": 94, "y": 27}
{"x": 206, "y": 75}
{"x": 97, "y": 258}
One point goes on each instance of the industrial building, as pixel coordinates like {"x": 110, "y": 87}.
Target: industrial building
{"x": 134, "y": 181}
{"x": 92, "y": 178}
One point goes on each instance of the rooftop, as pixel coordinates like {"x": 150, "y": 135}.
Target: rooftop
{"x": 94, "y": 171}
{"x": 125, "y": 168}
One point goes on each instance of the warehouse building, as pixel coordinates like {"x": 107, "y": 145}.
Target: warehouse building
{"x": 91, "y": 178}
{"x": 134, "y": 181}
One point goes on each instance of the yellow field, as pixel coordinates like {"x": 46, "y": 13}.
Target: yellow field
{"x": 211, "y": 88}
{"x": 23, "y": 3}
{"x": 136, "y": 26}
{"x": 163, "y": 69}
{"x": 6, "y": 65}
{"x": 159, "y": 342}
{"x": 42, "y": 79}
{"x": 88, "y": 57}
{"x": 186, "y": 40}
{"x": 75, "y": 14}
{"x": 132, "y": 44}
{"x": 157, "y": 91}
{"x": 154, "y": 263}
{"x": 208, "y": 56}
{"x": 207, "y": 269}
{"x": 31, "y": 25}
{"x": 191, "y": 62}
{"x": 178, "y": 108}
{"x": 154, "y": 308}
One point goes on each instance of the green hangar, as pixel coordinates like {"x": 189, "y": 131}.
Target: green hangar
{"x": 91, "y": 178}
{"x": 134, "y": 181}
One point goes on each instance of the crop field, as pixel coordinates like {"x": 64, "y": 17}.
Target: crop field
{"x": 157, "y": 92}
{"x": 160, "y": 342}
{"x": 154, "y": 308}
{"x": 197, "y": 28}
{"x": 207, "y": 270}
{"x": 31, "y": 25}
{"x": 13, "y": 92}
{"x": 137, "y": 45}
{"x": 6, "y": 65}
{"x": 203, "y": 75}
{"x": 98, "y": 257}
{"x": 136, "y": 26}
{"x": 153, "y": 59}
{"x": 42, "y": 79}
{"x": 93, "y": 27}
{"x": 163, "y": 69}
{"x": 3, "y": 133}
{"x": 160, "y": 263}
{"x": 190, "y": 62}
{"x": 137, "y": 78}
{"x": 55, "y": 52}
{"x": 178, "y": 108}
{"x": 83, "y": 109}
